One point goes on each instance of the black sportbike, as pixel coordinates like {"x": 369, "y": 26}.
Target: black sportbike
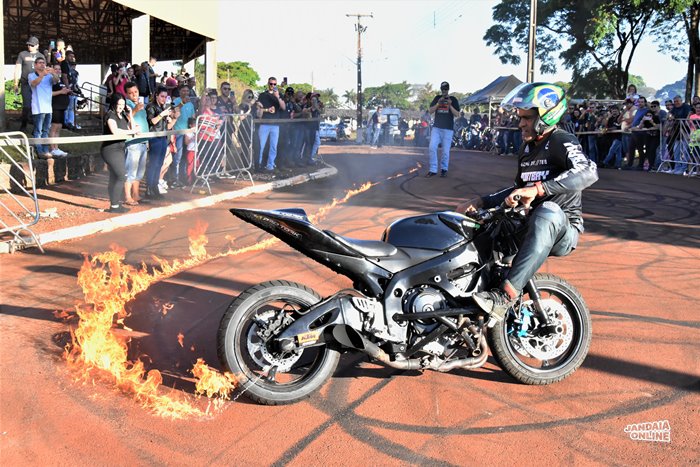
{"x": 410, "y": 306}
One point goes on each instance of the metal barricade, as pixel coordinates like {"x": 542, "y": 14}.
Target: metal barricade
{"x": 680, "y": 147}
{"x": 95, "y": 98}
{"x": 19, "y": 205}
{"x": 223, "y": 148}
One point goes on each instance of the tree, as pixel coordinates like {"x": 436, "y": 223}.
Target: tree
{"x": 350, "y": 98}
{"x": 240, "y": 71}
{"x": 329, "y": 98}
{"x": 424, "y": 96}
{"x": 602, "y": 36}
{"x": 673, "y": 40}
{"x": 389, "y": 95}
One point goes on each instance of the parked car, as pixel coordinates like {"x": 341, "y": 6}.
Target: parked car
{"x": 328, "y": 131}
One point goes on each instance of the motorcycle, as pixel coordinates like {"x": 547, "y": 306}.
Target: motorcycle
{"x": 410, "y": 307}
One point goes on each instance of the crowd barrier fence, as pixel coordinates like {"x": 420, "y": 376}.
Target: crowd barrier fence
{"x": 18, "y": 214}
{"x": 223, "y": 148}
{"x": 678, "y": 149}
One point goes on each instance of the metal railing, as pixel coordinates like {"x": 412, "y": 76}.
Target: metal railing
{"x": 18, "y": 213}
{"x": 95, "y": 97}
{"x": 223, "y": 148}
{"x": 680, "y": 147}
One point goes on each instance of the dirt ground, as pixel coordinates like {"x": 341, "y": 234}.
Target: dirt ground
{"x": 636, "y": 266}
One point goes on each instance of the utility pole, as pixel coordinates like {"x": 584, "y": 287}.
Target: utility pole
{"x": 531, "y": 42}
{"x": 360, "y": 29}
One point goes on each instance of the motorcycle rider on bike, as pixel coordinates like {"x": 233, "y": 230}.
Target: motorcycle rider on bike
{"x": 552, "y": 173}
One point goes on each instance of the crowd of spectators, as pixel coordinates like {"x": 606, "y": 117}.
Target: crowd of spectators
{"x": 632, "y": 134}
{"x": 48, "y": 82}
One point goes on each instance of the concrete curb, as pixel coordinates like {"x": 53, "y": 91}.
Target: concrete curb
{"x": 126, "y": 220}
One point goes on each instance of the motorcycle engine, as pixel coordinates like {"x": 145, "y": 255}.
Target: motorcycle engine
{"x": 420, "y": 300}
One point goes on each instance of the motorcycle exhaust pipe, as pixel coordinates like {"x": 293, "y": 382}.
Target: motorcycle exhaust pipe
{"x": 470, "y": 363}
{"x": 348, "y": 337}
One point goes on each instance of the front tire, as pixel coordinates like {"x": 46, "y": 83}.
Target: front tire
{"x": 266, "y": 375}
{"x": 537, "y": 359}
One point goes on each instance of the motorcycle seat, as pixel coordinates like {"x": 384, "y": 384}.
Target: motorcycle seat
{"x": 373, "y": 248}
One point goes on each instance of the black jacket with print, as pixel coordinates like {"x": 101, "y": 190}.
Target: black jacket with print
{"x": 562, "y": 167}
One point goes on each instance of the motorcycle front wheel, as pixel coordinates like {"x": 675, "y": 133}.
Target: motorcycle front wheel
{"x": 535, "y": 357}
{"x": 246, "y": 348}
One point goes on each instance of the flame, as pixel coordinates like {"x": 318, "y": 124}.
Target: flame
{"x": 181, "y": 340}
{"x": 198, "y": 241}
{"x": 108, "y": 284}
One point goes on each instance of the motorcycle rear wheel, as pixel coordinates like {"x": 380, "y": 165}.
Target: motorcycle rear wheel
{"x": 266, "y": 375}
{"x": 568, "y": 349}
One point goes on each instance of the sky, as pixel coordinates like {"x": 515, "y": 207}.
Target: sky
{"x": 418, "y": 41}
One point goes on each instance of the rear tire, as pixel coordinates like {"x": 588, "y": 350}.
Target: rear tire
{"x": 248, "y": 356}
{"x": 510, "y": 349}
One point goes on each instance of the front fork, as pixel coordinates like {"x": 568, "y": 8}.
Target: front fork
{"x": 540, "y": 312}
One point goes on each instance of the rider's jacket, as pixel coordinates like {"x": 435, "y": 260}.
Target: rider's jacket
{"x": 558, "y": 162}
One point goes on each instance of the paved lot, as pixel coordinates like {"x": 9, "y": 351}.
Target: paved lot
{"x": 637, "y": 267}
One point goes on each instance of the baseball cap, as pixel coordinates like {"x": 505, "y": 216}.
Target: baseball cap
{"x": 32, "y": 41}
{"x": 444, "y": 84}
{"x": 289, "y": 90}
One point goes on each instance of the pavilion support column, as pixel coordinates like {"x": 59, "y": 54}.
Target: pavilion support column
{"x": 210, "y": 65}
{"x": 3, "y": 120}
{"x": 141, "y": 39}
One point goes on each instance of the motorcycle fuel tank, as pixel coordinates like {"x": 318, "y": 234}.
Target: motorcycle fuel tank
{"x": 437, "y": 231}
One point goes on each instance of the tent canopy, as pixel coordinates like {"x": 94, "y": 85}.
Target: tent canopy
{"x": 493, "y": 92}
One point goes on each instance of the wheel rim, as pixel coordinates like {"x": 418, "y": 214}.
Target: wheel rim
{"x": 263, "y": 365}
{"x": 544, "y": 354}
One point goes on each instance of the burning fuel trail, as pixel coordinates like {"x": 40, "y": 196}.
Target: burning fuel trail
{"x": 108, "y": 284}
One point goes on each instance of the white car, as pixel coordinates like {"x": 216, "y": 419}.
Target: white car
{"x": 328, "y": 131}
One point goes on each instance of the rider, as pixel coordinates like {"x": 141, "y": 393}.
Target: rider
{"x": 552, "y": 173}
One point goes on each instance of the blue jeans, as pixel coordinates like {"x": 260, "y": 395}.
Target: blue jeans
{"x": 136, "y": 155}
{"x": 317, "y": 144}
{"x": 156, "y": 157}
{"x": 616, "y": 152}
{"x": 444, "y": 137}
{"x": 69, "y": 116}
{"x": 680, "y": 157}
{"x": 273, "y": 132}
{"x": 42, "y": 124}
{"x": 177, "y": 158}
{"x": 517, "y": 141}
{"x": 375, "y": 135}
{"x": 548, "y": 233}
{"x": 626, "y": 144}
{"x": 593, "y": 148}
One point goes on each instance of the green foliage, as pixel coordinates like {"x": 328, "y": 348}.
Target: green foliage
{"x": 329, "y": 98}
{"x": 240, "y": 71}
{"x": 12, "y": 100}
{"x": 599, "y": 35}
{"x": 350, "y": 98}
{"x": 424, "y": 96}
{"x": 389, "y": 95}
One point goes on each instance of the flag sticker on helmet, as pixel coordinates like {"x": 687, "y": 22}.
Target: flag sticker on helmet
{"x": 547, "y": 98}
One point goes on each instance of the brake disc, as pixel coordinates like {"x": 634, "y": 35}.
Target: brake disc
{"x": 552, "y": 345}
{"x": 259, "y": 352}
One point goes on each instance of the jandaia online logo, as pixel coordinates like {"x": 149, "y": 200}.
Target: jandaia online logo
{"x": 659, "y": 431}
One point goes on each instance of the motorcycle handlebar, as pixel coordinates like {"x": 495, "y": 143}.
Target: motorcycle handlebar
{"x": 488, "y": 214}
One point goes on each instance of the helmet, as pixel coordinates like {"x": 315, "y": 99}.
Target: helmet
{"x": 548, "y": 99}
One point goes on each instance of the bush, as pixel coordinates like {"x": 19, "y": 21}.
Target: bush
{"x": 12, "y": 100}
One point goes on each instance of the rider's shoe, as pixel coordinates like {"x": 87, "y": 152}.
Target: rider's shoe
{"x": 495, "y": 302}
